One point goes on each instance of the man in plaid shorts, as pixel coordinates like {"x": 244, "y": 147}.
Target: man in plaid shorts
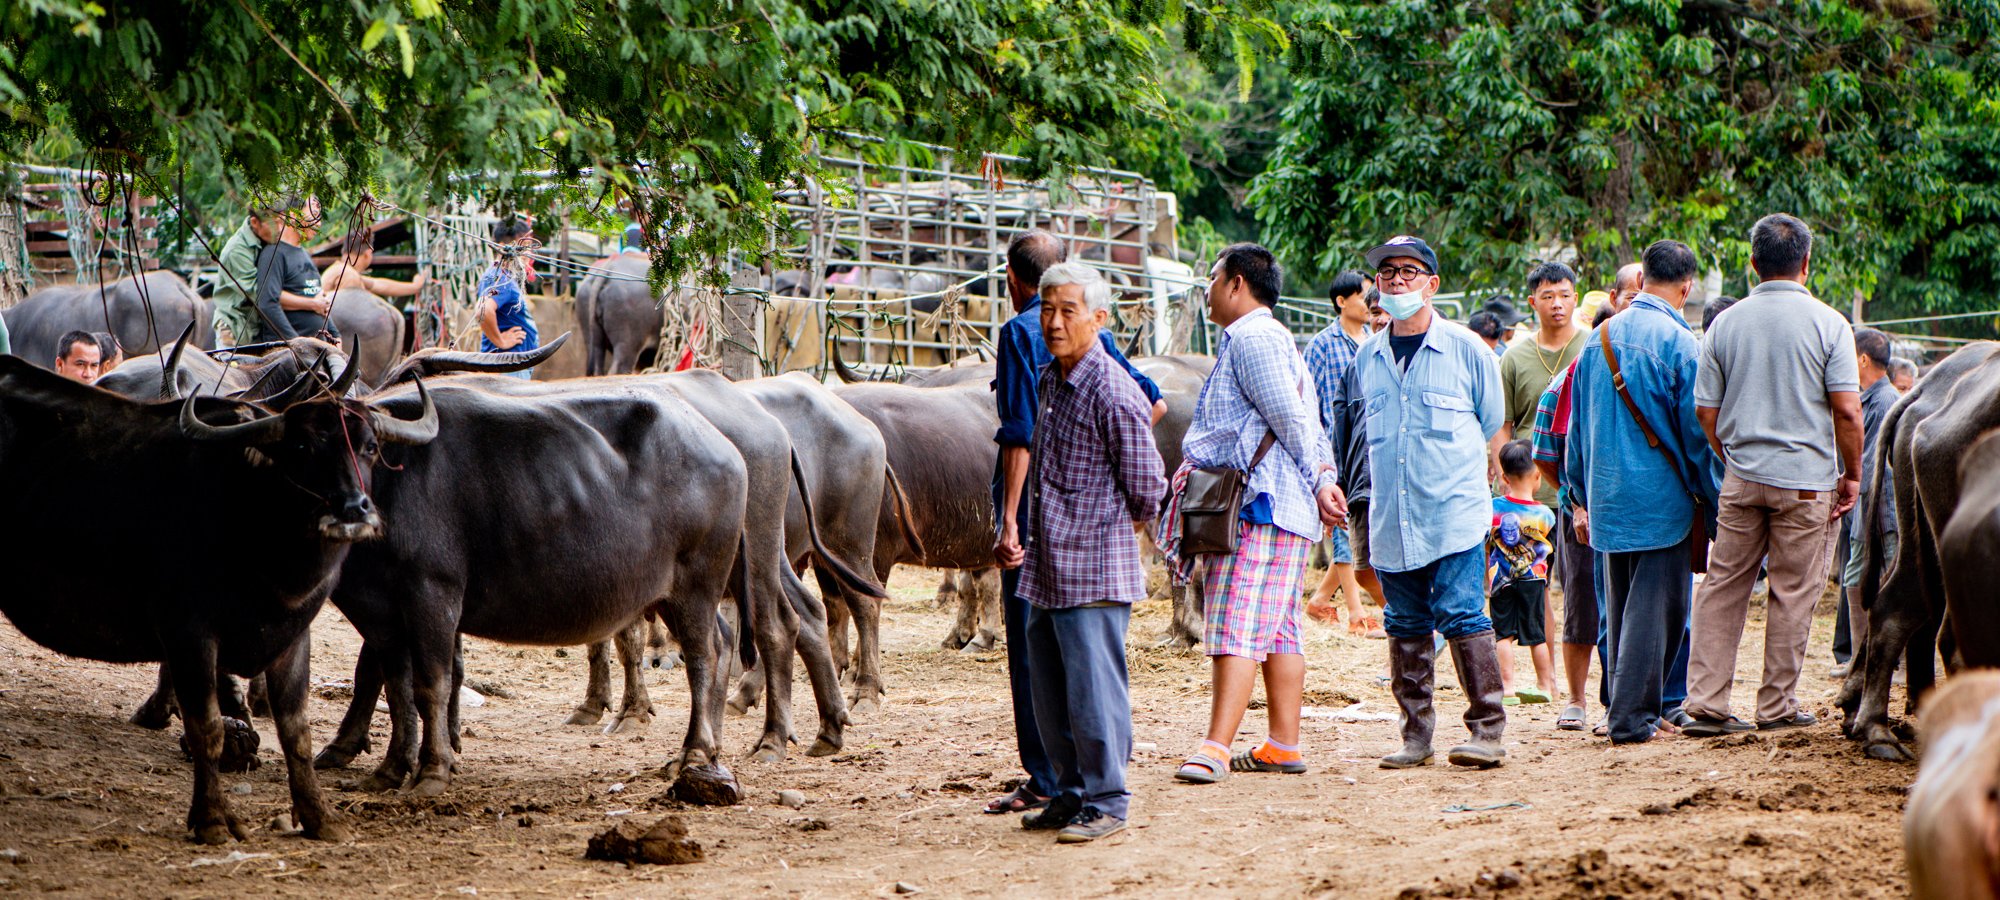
{"x": 1259, "y": 385}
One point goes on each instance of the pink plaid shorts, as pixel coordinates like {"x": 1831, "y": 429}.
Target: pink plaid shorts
{"x": 1251, "y": 597}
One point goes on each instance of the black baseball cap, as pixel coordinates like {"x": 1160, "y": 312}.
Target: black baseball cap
{"x": 1404, "y": 245}
{"x": 1504, "y": 309}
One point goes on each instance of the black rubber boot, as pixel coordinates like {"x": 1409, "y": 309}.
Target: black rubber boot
{"x": 1412, "y": 663}
{"x": 1478, "y": 665}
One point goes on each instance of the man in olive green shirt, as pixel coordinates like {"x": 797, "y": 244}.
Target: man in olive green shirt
{"x": 236, "y": 286}
{"x": 1528, "y": 366}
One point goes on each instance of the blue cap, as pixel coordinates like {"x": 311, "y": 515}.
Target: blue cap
{"x": 1404, "y": 245}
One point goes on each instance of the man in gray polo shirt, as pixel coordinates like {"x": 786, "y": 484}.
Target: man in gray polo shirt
{"x": 1778, "y": 393}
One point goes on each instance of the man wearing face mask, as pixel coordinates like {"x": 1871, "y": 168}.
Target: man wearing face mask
{"x": 1434, "y": 417}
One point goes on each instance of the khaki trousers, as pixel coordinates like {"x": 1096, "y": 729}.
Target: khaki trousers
{"x": 1756, "y": 522}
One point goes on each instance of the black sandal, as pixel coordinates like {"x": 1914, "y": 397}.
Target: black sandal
{"x": 1019, "y": 800}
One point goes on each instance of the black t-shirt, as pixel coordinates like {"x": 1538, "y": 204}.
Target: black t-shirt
{"x": 287, "y": 267}
{"x": 1405, "y": 346}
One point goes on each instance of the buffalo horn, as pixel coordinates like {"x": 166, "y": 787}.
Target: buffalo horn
{"x": 420, "y": 430}
{"x": 345, "y": 381}
{"x": 439, "y": 361}
{"x": 263, "y": 430}
{"x": 170, "y": 373}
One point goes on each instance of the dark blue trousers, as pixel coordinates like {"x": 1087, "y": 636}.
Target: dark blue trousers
{"x": 1041, "y": 775}
{"x": 1648, "y": 595}
{"x": 1447, "y": 595}
{"x": 1082, "y": 701}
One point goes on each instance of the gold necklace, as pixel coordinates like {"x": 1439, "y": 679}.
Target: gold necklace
{"x": 1544, "y": 360}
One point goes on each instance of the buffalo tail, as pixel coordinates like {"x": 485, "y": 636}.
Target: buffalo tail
{"x": 899, "y": 504}
{"x": 848, "y": 578}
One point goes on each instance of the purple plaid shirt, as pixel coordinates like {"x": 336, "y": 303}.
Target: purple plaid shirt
{"x": 1093, "y": 471}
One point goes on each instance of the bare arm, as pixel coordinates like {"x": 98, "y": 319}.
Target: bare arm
{"x": 390, "y": 287}
{"x": 1159, "y": 411}
{"x": 1847, "y": 432}
{"x": 1708, "y": 415}
{"x": 1013, "y": 476}
{"x": 301, "y": 303}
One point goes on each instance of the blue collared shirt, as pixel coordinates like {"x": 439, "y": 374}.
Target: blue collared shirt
{"x": 1635, "y": 501}
{"x": 1428, "y": 430}
{"x": 1023, "y": 354}
{"x": 1260, "y": 383}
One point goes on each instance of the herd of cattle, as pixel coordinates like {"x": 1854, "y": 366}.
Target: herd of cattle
{"x": 578, "y": 511}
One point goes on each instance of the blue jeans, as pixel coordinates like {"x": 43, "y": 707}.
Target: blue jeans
{"x": 1447, "y": 596}
{"x": 1083, "y": 702}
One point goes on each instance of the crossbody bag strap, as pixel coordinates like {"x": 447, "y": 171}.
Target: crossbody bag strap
{"x": 1632, "y": 406}
{"x": 1263, "y": 447}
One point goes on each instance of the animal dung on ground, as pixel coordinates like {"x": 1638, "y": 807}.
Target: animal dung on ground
{"x": 709, "y": 785}
{"x": 665, "y": 843}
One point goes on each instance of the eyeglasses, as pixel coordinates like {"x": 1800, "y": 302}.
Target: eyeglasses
{"x": 1393, "y": 273}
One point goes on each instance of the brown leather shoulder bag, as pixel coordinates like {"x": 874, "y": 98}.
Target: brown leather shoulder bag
{"x": 1213, "y": 503}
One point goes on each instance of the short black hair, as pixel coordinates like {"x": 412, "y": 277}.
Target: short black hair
{"x": 1603, "y": 315}
{"x": 1550, "y": 273}
{"x": 1715, "y": 308}
{"x": 1487, "y": 325}
{"x": 1517, "y": 458}
{"x": 1669, "y": 262}
{"x": 70, "y": 339}
{"x": 1346, "y": 284}
{"x": 1258, "y": 269}
{"x": 512, "y": 228}
{"x": 1872, "y": 344}
{"x": 1779, "y": 245}
{"x": 1032, "y": 252}
{"x": 1373, "y": 298}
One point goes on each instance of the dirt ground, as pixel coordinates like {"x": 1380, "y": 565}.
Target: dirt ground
{"x": 93, "y": 805}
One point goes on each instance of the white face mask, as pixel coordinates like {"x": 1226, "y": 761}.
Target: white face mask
{"x": 1402, "y": 306}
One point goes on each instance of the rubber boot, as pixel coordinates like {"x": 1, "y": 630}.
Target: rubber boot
{"x": 1411, "y": 667}
{"x": 1478, "y": 667}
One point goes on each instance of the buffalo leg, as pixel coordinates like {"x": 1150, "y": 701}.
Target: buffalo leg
{"x": 399, "y": 759}
{"x": 838, "y": 612}
{"x": 352, "y": 738}
{"x": 597, "y": 695}
{"x": 637, "y": 711}
{"x": 812, "y": 647}
{"x": 693, "y": 624}
{"x": 159, "y": 709}
{"x": 209, "y": 817}
{"x": 864, "y": 668}
{"x": 432, "y": 658}
{"x": 776, "y": 630}
{"x": 285, "y": 689}
{"x": 457, "y": 693}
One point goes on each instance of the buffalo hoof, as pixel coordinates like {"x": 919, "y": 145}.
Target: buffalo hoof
{"x": 737, "y": 707}
{"x": 630, "y": 723}
{"x": 153, "y": 716}
{"x": 332, "y": 830}
{"x": 955, "y": 641}
{"x": 824, "y": 745}
{"x": 1903, "y": 730}
{"x": 220, "y": 826}
{"x": 239, "y": 746}
{"x": 1173, "y": 641}
{"x": 666, "y": 660}
{"x": 379, "y": 782}
{"x": 1889, "y": 751}
{"x": 584, "y": 715}
{"x": 337, "y": 756}
{"x": 706, "y": 785}
{"x": 429, "y": 786}
{"x": 769, "y": 750}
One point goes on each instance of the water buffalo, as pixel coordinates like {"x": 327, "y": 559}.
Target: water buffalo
{"x": 143, "y": 312}
{"x": 1923, "y": 439}
{"x": 304, "y": 471}
{"x": 1969, "y": 552}
{"x": 1950, "y": 820}
{"x": 552, "y": 514}
{"x": 620, "y": 317}
{"x": 369, "y": 323}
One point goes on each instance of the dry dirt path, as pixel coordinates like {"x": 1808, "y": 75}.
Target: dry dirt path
{"x": 95, "y": 806}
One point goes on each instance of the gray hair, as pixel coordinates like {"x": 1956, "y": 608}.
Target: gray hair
{"x": 1096, "y": 291}
{"x": 1901, "y": 366}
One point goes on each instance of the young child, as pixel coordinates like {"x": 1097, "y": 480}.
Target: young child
{"x": 1517, "y": 572}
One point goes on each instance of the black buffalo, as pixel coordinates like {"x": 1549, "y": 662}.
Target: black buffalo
{"x": 305, "y": 474}
{"x": 143, "y": 312}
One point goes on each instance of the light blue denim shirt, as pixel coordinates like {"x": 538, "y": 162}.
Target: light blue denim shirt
{"x": 1635, "y": 501}
{"x": 1260, "y": 383}
{"x": 1427, "y": 436}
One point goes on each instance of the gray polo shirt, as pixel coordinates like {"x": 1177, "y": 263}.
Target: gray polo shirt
{"x": 1767, "y": 364}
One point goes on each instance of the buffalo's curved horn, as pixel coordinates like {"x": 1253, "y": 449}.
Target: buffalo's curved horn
{"x": 440, "y": 361}
{"x": 263, "y": 378}
{"x": 263, "y": 430}
{"x": 345, "y": 380}
{"x": 303, "y": 388}
{"x": 847, "y": 375}
{"x": 170, "y": 373}
{"x": 420, "y": 430}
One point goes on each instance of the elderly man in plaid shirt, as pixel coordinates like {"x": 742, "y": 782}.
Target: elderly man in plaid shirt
{"x": 1093, "y": 472}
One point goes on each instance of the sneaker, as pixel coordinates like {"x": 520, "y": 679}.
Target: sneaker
{"x": 1062, "y": 809}
{"x": 1800, "y": 719}
{"x": 1705, "y": 727}
{"x": 1089, "y": 825}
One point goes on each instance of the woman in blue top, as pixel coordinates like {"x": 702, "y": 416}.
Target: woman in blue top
{"x": 505, "y": 322}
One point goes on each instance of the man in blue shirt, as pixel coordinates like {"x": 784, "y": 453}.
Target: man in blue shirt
{"x": 505, "y": 322}
{"x": 1435, "y": 411}
{"x": 1023, "y": 354}
{"x": 1639, "y": 496}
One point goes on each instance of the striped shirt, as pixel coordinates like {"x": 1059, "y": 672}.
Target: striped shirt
{"x": 1259, "y": 384}
{"x": 1093, "y": 471}
{"x": 1327, "y": 358}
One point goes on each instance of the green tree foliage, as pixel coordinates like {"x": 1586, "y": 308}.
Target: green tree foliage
{"x": 1507, "y": 129}
{"x": 698, "y": 111}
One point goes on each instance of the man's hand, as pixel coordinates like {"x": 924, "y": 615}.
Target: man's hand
{"x": 1579, "y": 519}
{"x": 326, "y": 305}
{"x": 1845, "y": 496}
{"x": 1007, "y": 551}
{"x": 1333, "y": 506}
{"x": 512, "y": 338}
